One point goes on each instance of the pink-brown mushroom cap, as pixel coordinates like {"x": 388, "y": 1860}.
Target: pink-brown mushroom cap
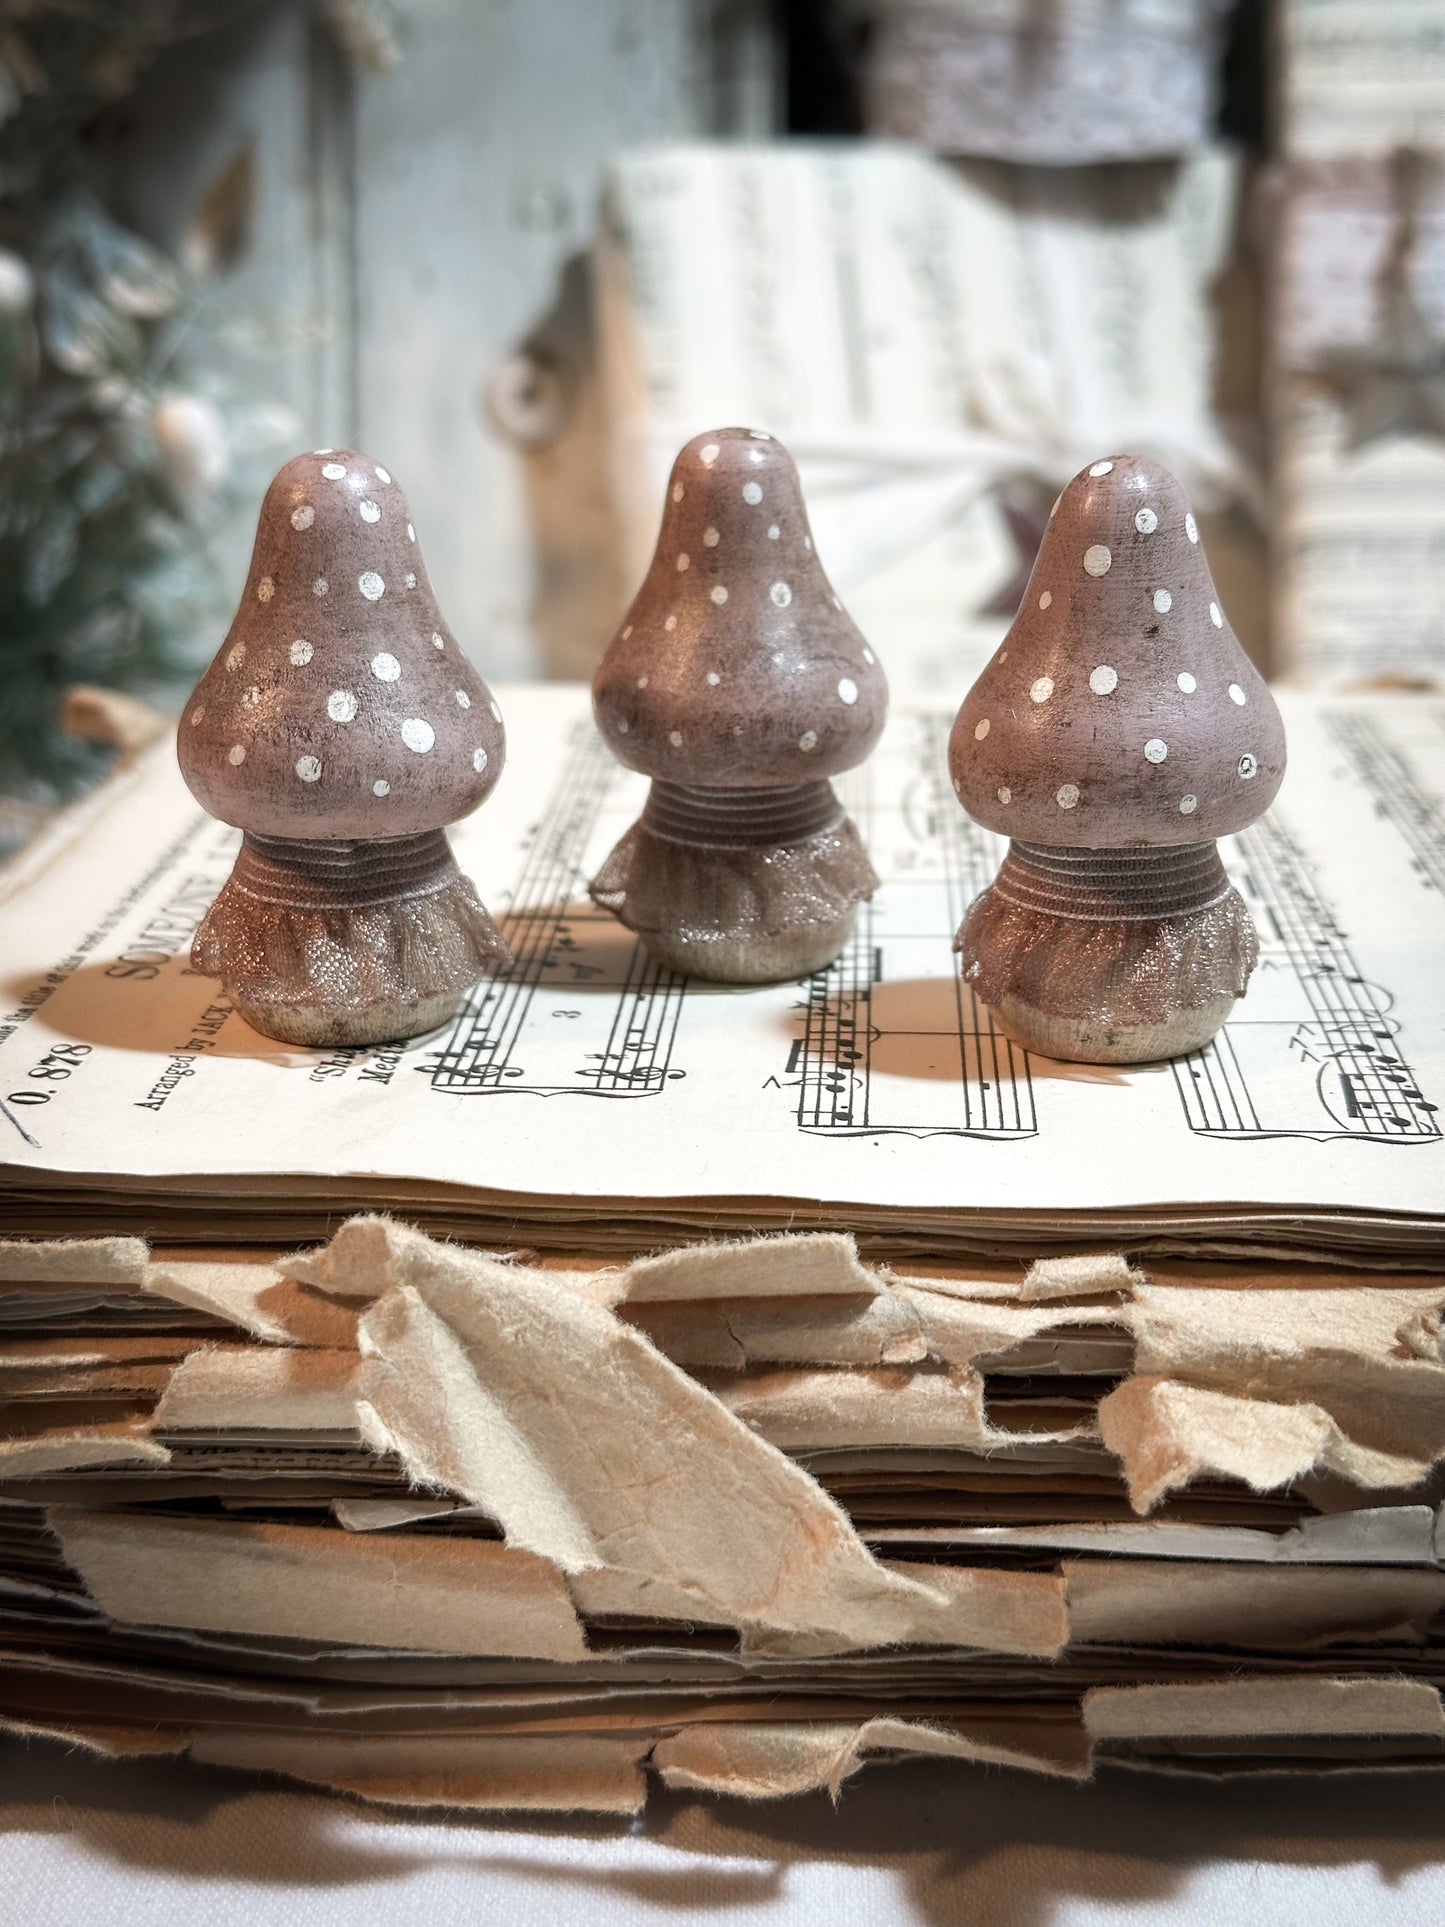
{"x": 340, "y": 705}
{"x": 736, "y": 665}
{"x": 1120, "y": 710}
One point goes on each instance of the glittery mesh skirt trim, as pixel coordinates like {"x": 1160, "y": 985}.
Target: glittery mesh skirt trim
{"x": 657, "y": 886}
{"x": 1120, "y": 971}
{"x": 282, "y": 935}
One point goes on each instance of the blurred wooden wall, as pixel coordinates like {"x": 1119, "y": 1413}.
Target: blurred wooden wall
{"x": 414, "y": 229}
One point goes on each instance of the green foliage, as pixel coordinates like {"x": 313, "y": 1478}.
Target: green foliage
{"x": 109, "y": 468}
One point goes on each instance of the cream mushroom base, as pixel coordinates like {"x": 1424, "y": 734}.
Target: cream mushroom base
{"x": 739, "y": 684}
{"x": 1118, "y": 731}
{"x": 341, "y": 728}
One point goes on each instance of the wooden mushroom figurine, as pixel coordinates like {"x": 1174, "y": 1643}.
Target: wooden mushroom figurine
{"x": 340, "y": 727}
{"x": 1118, "y": 731}
{"x": 740, "y": 686}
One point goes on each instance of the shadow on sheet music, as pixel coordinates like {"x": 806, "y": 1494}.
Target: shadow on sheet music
{"x": 931, "y": 1029}
{"x": 167, "y": 1009}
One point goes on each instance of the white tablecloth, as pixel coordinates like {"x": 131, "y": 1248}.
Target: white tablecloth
{"x": 85, "y": 1843}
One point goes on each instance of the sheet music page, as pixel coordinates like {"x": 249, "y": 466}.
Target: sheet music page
{"x": 878, "y": 1082}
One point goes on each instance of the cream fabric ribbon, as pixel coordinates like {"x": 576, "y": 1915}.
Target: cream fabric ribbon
{"x": 875, "y": 494}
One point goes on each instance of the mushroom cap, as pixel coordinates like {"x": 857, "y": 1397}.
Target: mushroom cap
{"x": 1120, "y": 711}
{"x": 736, "y": 665}
{"x": 340, "y": 704}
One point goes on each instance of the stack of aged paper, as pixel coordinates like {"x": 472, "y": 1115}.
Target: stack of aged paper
{"x": 1132, "y": 1454}
{"x": 592, "y": 1101}
{"x": 439, "y": 1526}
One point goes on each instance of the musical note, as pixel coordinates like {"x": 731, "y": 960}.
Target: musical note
{"x": 620, "y": 1035}
{"x": 943, "y": 1065}
{"x": 1359, "y": 1083}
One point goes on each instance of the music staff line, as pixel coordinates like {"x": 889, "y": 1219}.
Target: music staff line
{"x": 633, "y": 1030}
{"x": 855, "y": 1064}
{"x": 1341, "y": 1025}
{"x": 1396, "y": 792}
{"x": 845, "y": 1040}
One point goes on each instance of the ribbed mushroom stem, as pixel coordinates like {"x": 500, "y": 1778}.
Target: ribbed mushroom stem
{"x": 741, "y": 819}
{"x": 347, "y": 942}
{"x": 307, "y": 873}
{"x": 739, "y": 885}
{"x": 1111, "y": 886}
{"x": 1110, "y": 956}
